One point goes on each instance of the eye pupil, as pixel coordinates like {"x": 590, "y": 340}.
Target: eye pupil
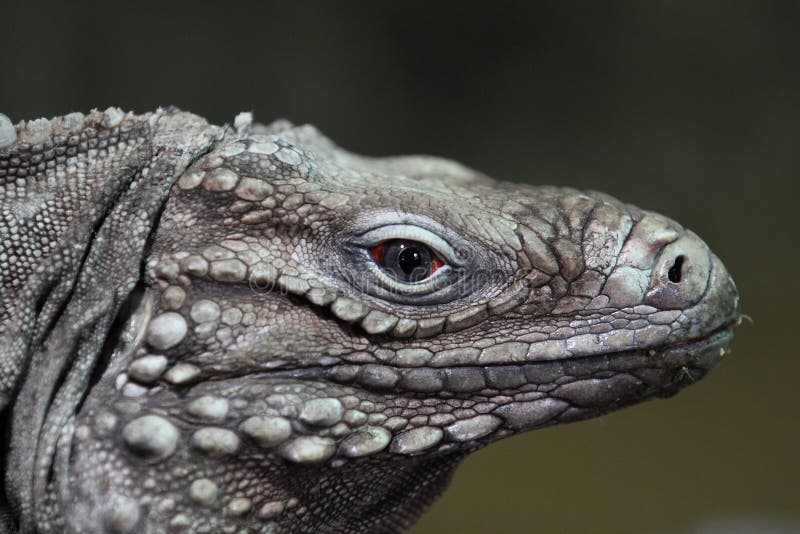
{"x": 409, "y": 259}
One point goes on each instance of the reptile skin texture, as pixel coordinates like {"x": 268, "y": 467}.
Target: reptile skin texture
{"x": 246, "y": 328}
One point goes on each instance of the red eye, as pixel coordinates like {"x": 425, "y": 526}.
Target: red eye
{"x": 407, "y": 261}
{"x": 377, "y": 252}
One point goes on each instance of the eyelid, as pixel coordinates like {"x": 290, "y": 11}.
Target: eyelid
{"x": 411, "y": 233}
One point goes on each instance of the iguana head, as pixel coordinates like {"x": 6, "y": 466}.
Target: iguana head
{"x": 320, "y": 337}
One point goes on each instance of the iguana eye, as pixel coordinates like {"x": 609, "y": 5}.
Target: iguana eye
{"x": 405, "y": 260}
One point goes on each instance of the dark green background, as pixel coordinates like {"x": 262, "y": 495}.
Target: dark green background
{"x": 687, "y": 108}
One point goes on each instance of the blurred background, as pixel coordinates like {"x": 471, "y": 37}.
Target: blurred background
{"x": 687, "y": 108}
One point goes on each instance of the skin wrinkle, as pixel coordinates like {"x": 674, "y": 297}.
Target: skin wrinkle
{"x": 624, "y": 241}
{"x": 627, "y": 238}
{"x": 266, "y": 384}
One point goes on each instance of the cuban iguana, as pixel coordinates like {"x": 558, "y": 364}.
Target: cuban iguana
{"x": 246, "y": 328}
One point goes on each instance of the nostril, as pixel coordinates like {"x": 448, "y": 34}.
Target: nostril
{"x": 680, "y": 275}
{"x": 676, "y": 271}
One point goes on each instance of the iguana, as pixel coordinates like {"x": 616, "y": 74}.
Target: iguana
{"x": 247, "y": 328}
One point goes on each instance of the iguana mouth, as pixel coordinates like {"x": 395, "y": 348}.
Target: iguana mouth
{"x": 665, "y": 370}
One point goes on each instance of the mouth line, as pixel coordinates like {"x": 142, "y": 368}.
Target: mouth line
{"x": 690, "y": 358}
{"x": 652, "y": 352}
{"x": 723, "y": 328}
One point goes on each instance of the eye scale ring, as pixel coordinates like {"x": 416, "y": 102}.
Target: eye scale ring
{"x": 407, "y": 263}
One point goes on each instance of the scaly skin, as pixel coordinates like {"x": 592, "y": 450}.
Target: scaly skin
{"x": 196, "y": 335}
